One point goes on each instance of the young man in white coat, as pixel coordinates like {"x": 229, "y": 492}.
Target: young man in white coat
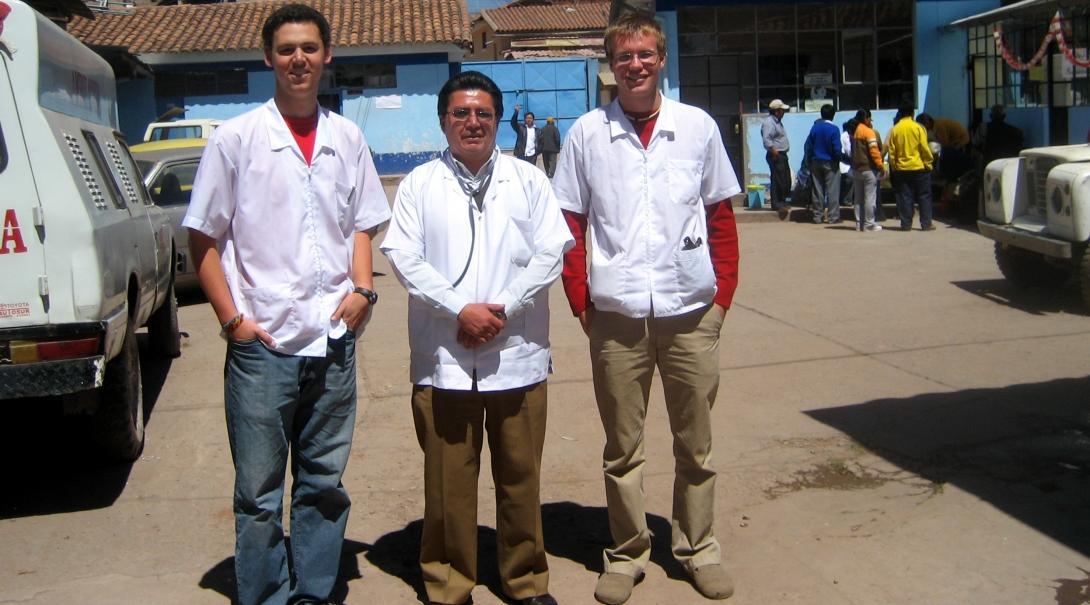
{"x": 477, "y": 238}
{"x": 285, "y": 204}
{"x": 651, "y": 178}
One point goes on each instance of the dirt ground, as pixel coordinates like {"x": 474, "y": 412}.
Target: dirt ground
{"x": 895, "y": 425}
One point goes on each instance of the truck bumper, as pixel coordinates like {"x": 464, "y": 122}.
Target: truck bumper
{"x": 1006, "y": 234}
{"x": 48, "y": 378}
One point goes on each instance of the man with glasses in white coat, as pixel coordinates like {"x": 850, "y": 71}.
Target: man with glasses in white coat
{"x": 477, "y": 238}
{"x": 652, "y": 179}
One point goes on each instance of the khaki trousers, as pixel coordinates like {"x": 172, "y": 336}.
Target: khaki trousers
{"x": 624, "y": 353}
{"x": 449, "y": 428}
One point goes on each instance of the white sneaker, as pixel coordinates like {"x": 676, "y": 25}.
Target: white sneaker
{"x": 873, "y": 228}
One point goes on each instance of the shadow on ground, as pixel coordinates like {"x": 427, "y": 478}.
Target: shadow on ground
{"x": 572, "y": 531}
{"x": 221, "y": 578}
{"x": 1037, "y": 301}
{"x": 1025, "y": 449}
{"x": 53, "y": 466}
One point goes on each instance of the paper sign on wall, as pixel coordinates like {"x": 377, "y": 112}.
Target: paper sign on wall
{"x": 388, "y": 102}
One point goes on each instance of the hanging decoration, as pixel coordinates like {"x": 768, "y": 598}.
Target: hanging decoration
{"x": 1055, "y": 32}
{"x": 1068, "y": 52}
{"x": 1014, "y": 61}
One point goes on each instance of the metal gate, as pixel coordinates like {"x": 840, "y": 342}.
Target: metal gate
{"x": 552, "y": 87}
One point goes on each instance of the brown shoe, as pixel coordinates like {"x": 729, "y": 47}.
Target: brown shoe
{"x": 784, "y": 212}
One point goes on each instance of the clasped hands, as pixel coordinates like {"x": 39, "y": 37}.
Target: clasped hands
{"x": 479, "y": 323}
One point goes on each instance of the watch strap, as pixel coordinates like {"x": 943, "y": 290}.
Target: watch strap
{"x": 370, "y": 295}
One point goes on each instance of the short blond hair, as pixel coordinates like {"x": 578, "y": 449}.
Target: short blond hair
{"x": 633, "y": 24}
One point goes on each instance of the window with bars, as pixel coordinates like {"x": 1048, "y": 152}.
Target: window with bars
{"x": 855, "y": 54}
{"x": 1053, "y": 81}
{"x": 201, "y": 83}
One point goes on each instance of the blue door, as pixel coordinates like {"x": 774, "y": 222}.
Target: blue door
{"x": 551, "y": 87}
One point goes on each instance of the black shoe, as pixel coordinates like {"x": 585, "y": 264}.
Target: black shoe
{"x": 541, "y": 599}
{"x": 836, "y": 222}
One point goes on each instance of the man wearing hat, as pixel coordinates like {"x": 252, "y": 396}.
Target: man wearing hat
{"x": 776, "y": 145}
{"x": 550, "y": 145}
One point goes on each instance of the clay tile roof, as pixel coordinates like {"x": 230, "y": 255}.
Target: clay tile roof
{"x": 236, "y": 26}
{"x": 582, "y": 16}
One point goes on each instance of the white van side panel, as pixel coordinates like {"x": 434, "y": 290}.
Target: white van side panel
{"x": 22, "y": 251}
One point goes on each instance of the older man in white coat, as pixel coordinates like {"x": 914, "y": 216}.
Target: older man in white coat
{"x": 476, "y": 238}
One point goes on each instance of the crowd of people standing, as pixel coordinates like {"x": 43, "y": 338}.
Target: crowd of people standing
{"x": 852, "y": 162}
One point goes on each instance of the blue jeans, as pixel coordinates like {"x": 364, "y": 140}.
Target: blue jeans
{"x": 912, "y": 187}
{"x": 306, "y": 406}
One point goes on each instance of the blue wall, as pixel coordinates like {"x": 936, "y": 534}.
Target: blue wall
{"x": 942, "y": 77}
{"x": 224, "y": 107}
{"x": 404, "y": 137}
{"x": 400, "y": 137}
{"x": 1078, "y": 123}
{"x": 671, "y": 86}
{"x": 475, "y": 6}
{"x": 136, "y": 108}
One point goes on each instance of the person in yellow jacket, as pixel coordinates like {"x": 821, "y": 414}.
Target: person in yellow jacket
{"x": 910, "y": 163}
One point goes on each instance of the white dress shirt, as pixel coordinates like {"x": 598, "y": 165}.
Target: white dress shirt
{"x": 508, "y": 252}
{"x": 286, "y": 229}
{"x": 645, "y": 207}
{"x": 531, "y": 141}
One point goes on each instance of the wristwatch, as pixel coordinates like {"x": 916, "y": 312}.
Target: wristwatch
{"x": 370, "y": 295}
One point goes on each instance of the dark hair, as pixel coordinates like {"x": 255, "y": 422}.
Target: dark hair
{"x": 905, "y": 110}
{"x": 862, "y": 114}
{"x": 293, "y": 13}
{"x": 926, "y": 120}
{"x": 827, "y": 112}
{"x": 470, "y": 80}
{"x": 850, "y": 126}
{"x": 529, "y": 114}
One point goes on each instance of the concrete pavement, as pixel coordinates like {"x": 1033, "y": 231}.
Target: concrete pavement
{"x": 895, "y": 425}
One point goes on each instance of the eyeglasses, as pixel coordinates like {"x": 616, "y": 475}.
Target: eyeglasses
{"x": 462, "y": 114}
{"x": 645, "y": 57}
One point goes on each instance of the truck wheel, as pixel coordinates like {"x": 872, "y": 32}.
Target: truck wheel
{"x": 1028, "y": 270}
{"x": 164, "y": 337}
{"x": 119, "y": 420}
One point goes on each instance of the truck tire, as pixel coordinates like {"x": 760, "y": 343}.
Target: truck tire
{"x": 164, "y": 337}
{"x": 1026, "y": 269}
{"x": 1084, "y": 278}
{"x": 119, "y": 419}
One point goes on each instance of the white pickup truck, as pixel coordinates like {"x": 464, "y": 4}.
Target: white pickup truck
{"x": 86, "y": 257}
{"x": 1037, "y": 209}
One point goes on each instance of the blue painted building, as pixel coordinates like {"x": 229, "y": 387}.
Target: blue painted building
{"x": 733, "y": 57}
{"x": 390, "y": 59}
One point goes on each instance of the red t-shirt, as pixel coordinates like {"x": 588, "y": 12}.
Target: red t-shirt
{"x": 722, "y": 245}
{"x": 304, "y": 130}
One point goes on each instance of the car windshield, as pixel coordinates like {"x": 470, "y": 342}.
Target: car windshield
{"x": 144, "y": 166}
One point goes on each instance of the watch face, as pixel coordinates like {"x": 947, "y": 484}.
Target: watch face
{"x": 370, "y": 295}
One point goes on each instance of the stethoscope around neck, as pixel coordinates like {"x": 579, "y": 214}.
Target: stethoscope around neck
{"x": 472, "y": 193}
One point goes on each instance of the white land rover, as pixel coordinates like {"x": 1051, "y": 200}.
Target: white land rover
{"x": 1037, "y": 209}
{"x": 86, "y": 257}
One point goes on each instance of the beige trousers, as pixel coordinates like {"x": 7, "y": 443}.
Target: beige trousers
{"x": 624, "y": 353}
{"x": 449, "y": 428}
